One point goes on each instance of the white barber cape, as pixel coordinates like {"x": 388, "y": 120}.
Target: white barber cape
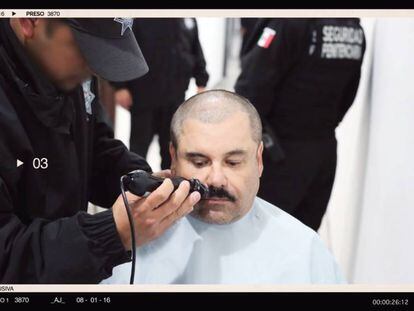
{"x": 266, "y": 246}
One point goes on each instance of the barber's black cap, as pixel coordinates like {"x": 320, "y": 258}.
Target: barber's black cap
{"x": 109, "y": 47}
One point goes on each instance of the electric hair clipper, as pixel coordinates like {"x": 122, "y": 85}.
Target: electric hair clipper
{"x": 140, "y": 182}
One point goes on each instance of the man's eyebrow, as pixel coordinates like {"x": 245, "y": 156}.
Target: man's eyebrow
{"x": 191, "y": 155}
{"x": 236, "y": 152}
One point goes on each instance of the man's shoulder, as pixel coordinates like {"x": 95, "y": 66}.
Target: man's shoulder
{"x": 281, "y": 220}
{"x": 287, "y": 230}
{"x": 293, "y": 239}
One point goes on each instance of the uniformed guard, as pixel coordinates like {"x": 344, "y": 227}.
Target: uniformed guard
{"x": 302, "y": 75}
{"x": 57, "y": 153}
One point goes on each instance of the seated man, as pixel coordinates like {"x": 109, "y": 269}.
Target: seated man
{"x": 233, "y": 237}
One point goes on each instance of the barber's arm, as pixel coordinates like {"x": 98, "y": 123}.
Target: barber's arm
{"x": 67, "y": 250}
{"x": 83, "y": 248}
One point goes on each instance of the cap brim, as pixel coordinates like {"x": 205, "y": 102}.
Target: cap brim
{"x": 114, "y": 60}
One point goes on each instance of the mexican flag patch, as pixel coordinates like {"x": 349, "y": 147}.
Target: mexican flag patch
{"x": 267, "y": 37}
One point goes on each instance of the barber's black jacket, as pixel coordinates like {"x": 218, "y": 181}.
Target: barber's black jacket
{"x": 70, "y": 158}
{"x": 302, "y": 74}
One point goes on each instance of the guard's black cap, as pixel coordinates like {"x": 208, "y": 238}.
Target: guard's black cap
{"x": 109, "y": 47}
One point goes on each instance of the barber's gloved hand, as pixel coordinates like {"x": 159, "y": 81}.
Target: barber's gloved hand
{"x": 154, "y": 214}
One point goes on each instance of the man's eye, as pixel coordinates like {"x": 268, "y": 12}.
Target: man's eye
{"x": 233, "y": 163}
{"x": 199, "y": 163}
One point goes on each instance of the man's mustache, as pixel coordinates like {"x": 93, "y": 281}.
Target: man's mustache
{"x": 214, "y": 192}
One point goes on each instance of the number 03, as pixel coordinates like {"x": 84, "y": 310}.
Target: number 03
{"x": 40, "y": 163}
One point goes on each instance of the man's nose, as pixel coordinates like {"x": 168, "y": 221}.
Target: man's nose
{"x": 216, "y": 177}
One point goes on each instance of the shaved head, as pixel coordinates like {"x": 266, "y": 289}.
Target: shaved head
{"x": 214, "y": 107}
{"x": 217, "y": 139}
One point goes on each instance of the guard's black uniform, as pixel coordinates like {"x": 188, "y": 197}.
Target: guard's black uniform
{"x": 173, "y": 53}
{"x": 302, "y": 76}
{"x": 70, "y": 158}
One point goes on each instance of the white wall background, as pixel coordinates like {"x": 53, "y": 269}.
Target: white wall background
{"x": 212, "y": 38}
{"x": 340, "y": 224}
{"x": 370, "y": 221}
{"x": 385, "y": 246}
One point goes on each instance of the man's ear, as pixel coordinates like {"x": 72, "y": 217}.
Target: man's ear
{"x": 27, "y": 26}
{"x": 173, "y": 155}
{"x": 260, "y": 158}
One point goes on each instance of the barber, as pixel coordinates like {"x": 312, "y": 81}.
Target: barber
{"x": 57, "y": 153}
